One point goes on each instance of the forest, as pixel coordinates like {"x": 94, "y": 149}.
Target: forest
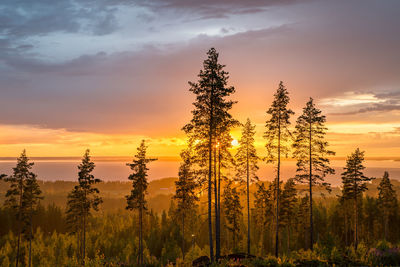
{"x": 218, "y": 211}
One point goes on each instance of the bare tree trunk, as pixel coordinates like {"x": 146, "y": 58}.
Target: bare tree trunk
{"x": 217, "y": 235}
{"x": 310, "y": 190}
{"x": 219, "y": 201}
{"x": 78, "y": 245}
{"x": 30, "y": 238}
{"x": 18, "y": 246}
{"x": 183, "y": 237}
{"x": 277, "y": 191}
{"x": 386, "y": 226}
{"x": 141, "y": 236}
{"x": 288, "y": 239}
{"x": 84, "y": 240}
{"x": 355, "y": 222}
{"x": 248, "y": 198}
{"x": 210, "y": 234}
{"x": 19, "y": 225}
{"x": 210, "y": 147}
{"x": 345, "y": 227}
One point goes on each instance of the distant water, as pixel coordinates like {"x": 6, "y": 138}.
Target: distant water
{"x": 116, "y": 170}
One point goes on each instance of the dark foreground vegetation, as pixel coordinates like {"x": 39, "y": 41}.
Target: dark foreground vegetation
{"x": 219, "y": 212}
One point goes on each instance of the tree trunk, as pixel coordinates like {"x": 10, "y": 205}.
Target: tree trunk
{"x": 219, "y": 201}
{"x": 217, "y": 240}
{"x": 78, "y": 245}
{"x": 30, "y": 238}
{"x": 248, "y": 198}
{"x": 277, "y": 190}
{"x": 288, "y": 239}
{"x": 18, "y": 245}
{"x": 345, "y": 227}
{"x": 210, "y": 141}
{"x": 19, "y": 224}
{"x": 355, "y": 222}
{"x": 310, "y": 191}
{"x": 386, "y": 226}
{"x": 84, "y": 240}
{"x": 183, "y": 237}
{"x": 141, "y": 236}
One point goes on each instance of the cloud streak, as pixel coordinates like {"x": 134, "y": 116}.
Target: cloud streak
{"x": 381, "y": 102}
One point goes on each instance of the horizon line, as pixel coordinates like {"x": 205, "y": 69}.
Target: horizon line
{"x": 165, "y": 158}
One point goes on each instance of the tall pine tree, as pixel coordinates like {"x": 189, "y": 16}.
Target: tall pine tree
{"x": 83, "y": 198}
{"x": 186, "y": 186}
{"x": 277, "y": 135}
{"x": 211, "y": 118}
{"x": 31, "y": 197}
{"x": 354, "y": 184}
{"x": 23, "y": 197}
{"x": 311, "y": 151}
{"x": 387, "y": 200}
{"x": 136, "y": 199}
{"x": 246, "y": 165}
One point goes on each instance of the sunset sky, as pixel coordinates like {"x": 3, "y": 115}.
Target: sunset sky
{"x": 104, "y": 74}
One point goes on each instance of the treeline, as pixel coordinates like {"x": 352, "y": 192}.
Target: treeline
{"x": 280, "y": 220}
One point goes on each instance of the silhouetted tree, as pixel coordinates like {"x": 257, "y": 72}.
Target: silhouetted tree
{"x": 277, "y": 135}
{"x": 387, "y": 201}
{"x": 233, "y": 210}
{"x": 354, "y": 184}
{"x": 246, "y": 166}
{"x": 185, "y": 194}
{"x": 136, "y": 199}
{"x": 83, "y": 198}
{"x": 310, "y": 150}
{"x": 30, "y": 201}
{"x": 211, "y": 118}
{"x": 22, "y": 197}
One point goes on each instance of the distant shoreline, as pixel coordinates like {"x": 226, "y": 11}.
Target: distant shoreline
{"x": 160, "y": 158}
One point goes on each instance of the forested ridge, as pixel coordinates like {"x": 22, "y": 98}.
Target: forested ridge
{"x": 217, "y": 211}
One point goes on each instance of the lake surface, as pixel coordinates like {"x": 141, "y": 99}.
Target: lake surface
{"x": 115, "y": 170}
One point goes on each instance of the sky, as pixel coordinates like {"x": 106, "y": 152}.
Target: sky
{"x": 104, "y": 74}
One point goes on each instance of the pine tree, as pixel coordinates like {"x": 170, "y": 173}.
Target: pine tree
{"x": 287, "y": 211}
{"x": 354, "y": 184}
{"x": 23, "y": 197}
{"x": 277, "y": 135}
{"x": 211, "y": 118}
{"x": 83, "y": 198}
{"x": 31, "y": 197}
{"x": 233, "y": 210}
{"x": 387, "y": 200}
{"x": 136, "y": 200}
{"x": 185, "y": 194}
{"x": 246, "y": 165}
{"x": 310, "y": 150}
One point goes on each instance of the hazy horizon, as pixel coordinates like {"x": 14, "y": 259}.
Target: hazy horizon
{"x": 116, "y": 170}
